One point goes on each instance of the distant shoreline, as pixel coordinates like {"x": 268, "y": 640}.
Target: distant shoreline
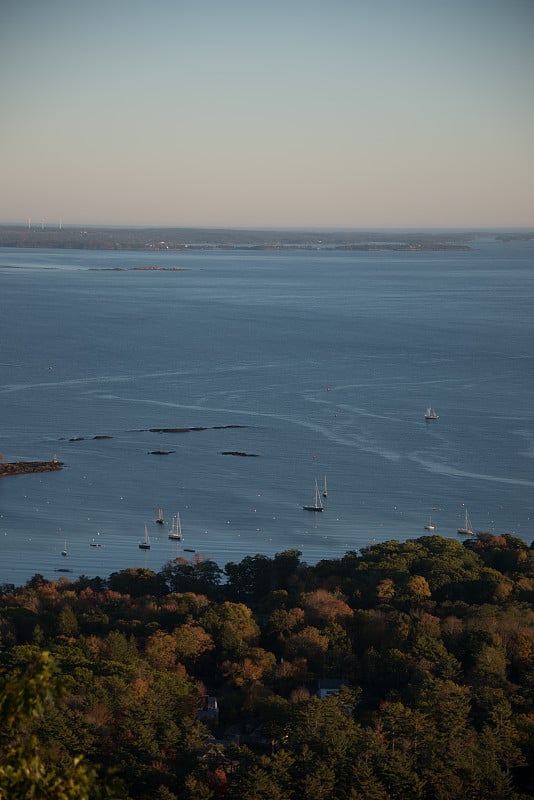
{"x": 197, "y": 239}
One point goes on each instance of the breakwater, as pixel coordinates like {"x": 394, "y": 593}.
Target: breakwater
{"x": 28, "y": 467}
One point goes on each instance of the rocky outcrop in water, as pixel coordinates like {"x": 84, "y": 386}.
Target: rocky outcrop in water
{"x": 238, "y": 453}
{"x": 28, "y": 467}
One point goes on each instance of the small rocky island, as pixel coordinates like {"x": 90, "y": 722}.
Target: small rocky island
{"x": 28, "y": 467}
{"x": 238, "y": 453}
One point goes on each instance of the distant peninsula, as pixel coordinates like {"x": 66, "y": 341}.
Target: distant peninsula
{"x": 187, "y": 239}
{"x": 29, "y": 467}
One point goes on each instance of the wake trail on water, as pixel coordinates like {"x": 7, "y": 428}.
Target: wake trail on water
{"x": 106, "y": 379}
{"x": 454, "y": 472}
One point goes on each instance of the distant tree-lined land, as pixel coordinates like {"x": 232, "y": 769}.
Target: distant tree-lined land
{"x": 198, "y": 682}
{"x": 154, "y": 239}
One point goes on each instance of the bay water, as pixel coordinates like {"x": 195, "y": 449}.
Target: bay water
{"x": 306, "y": 363}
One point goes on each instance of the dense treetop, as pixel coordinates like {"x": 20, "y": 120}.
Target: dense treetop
{"x": 201, "y": 682}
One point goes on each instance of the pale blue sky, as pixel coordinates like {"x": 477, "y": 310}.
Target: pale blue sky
{"x": 338, "y": 113}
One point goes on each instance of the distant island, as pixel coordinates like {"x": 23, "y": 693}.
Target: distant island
{"x": 180, "y": 239}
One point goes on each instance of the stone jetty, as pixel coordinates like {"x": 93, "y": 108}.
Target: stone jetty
{"x": 28, "y": 467}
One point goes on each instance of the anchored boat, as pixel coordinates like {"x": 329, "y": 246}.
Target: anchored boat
{"x": 176, "y": 529}
{"x": 145, "y": 544}
{"x": 317, "y": 504}
{"x": 431, "y": 415}
{"x": 466, "y": 530}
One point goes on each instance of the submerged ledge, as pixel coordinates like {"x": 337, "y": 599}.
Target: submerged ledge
{"x": 187, "y": 430}
{"x": 238, "y": 453}
{"x": 28, "y": 467}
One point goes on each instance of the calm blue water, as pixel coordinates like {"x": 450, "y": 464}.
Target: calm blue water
{"x": 328, "y": 359}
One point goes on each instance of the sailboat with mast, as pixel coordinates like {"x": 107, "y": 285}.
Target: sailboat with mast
{"x": 325, "y": 489}
{"x": 160, "y": 519}
{"x": 145, "y": 544}
{"x": 466, "y": 529}
{"x": 431, "y": 414}
{"x": 176, "y": 529}
{"x": 317, "y": 504}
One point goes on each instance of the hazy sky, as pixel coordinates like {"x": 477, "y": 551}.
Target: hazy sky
{"x": 338, "y": 113}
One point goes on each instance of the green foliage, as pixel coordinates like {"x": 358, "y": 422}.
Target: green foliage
{"x": 201, "y": 576}
{"x": 233, "y": 628}
{"x": 434, "y": 637}
{"x": 257, "y": 577}
{"x": 67, "y": 624}
{"x": 137, "y": 582}
{"x": 116, "y": 647}
{"x": 25, "y": 770}
{"x": 251, "y": 579}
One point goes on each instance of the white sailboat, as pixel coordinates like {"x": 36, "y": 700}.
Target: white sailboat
{"x": 325, "y": 490}
{"x": 466, "y": 530}
{"x": 160, "y": 519}
{"x": 430, "y": 526}
{"x": 176, "y": 529}
{"x": 317, "y": 504}
{"x": 64, "y": 551}
{"x": 431, "y": 414}
{"x": 145, "y": 544}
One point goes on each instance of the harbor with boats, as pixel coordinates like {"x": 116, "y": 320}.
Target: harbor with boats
{"x": 331, "y": 507}
{"x": 308, "y": 377}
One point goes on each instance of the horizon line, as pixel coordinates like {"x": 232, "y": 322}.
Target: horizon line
{"x": 61, "y": 225}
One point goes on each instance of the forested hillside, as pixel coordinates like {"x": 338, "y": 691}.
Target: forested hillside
{"x": 199, "y": 682}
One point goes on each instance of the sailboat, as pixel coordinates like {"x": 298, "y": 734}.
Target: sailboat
{"x": 160, "y": 519}
{"x": 431, "y": 414}
{"x": 325, "y": 490}
{"x": 145, "y": 545}
{"x": 176, "y": 529}
{"x": 317, "y": 505}
{"x": 429, "y": 526}
{"x": 64, "y": 551}
{"x": 466, "y": 530}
